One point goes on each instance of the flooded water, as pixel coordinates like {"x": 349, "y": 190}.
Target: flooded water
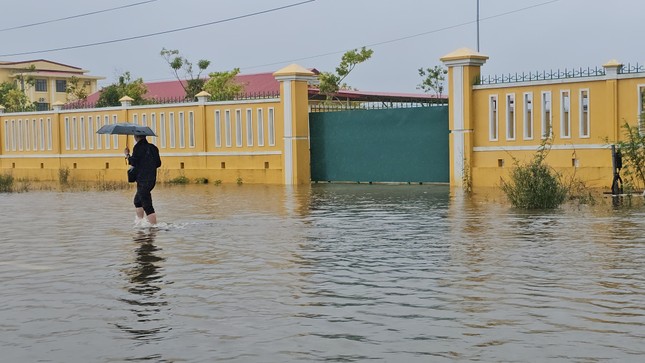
{"x": 334, "y": 273}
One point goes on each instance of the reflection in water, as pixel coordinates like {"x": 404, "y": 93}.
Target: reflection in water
{"x": 323, "y": 273}
{"x": 146, "y": 300}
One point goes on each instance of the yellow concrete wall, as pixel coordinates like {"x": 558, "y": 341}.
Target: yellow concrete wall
{"x": 613, "y": 99}
{"x": 588, "y": 158}
{"x": 91, "y": 157}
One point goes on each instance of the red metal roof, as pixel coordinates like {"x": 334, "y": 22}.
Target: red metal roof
{"x": 265, "y": 83}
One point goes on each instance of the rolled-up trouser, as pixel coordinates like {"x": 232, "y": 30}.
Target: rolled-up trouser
{"x": 143, "y": 198}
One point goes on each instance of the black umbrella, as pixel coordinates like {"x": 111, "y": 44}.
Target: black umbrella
{"x": 126, "y": 128}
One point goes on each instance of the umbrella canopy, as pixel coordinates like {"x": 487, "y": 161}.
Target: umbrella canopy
{"x": 126, "y": 128}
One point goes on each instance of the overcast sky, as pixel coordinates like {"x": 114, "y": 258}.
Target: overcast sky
{"x": 404, "y": 34}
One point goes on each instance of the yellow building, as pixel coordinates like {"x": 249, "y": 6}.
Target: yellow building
{"x": 50, "y": 80}
{"x": 495, "y": 122}
{"x": 253, "y": 141}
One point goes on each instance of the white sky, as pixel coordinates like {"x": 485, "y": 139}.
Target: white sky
{"x": 549, "y": 35}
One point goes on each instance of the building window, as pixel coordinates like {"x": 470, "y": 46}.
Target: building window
{"x": 90, "y": 133}
{"x": 106, "y": 120}
{"x": 21, "y": 135}
{"x": 74, "y": 133}
{"x": 492, "y": 118}
{"x": 528, "y": 116}
{"x": 13, "y": 135}
{"x": 41, "y": 85}
{"x": 162, "y": 129}
{"x": 99, "y": 144}
{"x": 218, "y": 129}
{"x": 82, "y": 132}
{"x": 182, "y": 132}
{"x": 227, "y": 127}
{"x": 584, "y": 113}
{"x": 546, "y": 120}
{"x": 35, "y": 133}
{"x": 191, "y": 129}
{"x": 115, "y": 138}
{"x": 260, "y": 127}
{"x": 42, "y": 106}
{"x": 6, "y": 135}
{"x": 42, "y": 134}
{"x": 565, "y": 119}
{"x": 61, "y": 85}
{"x": 171, "y": 126}
{"x": 153, "y": 126}
{"x": 271, "y": 122}
{"x": 67, "y": 134}
{"x": 49, "y": 134}
{"x": 238, "y": 128}
{"x": 641, "y": 109}
{"x": 510, "y": 117}
{"x": 249, "y": 127}
{"x": 27, "y": 135}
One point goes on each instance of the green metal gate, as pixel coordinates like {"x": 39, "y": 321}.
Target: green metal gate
{"x": 385, "y": 145}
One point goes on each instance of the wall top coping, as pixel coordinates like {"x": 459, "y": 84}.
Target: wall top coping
{"x": 294, "y": 70}
{"x": 612, "y": 63}
{"x": 464, "y": 54}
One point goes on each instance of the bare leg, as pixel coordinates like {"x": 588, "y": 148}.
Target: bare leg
{"x": 152, "y": 218}
{"x": 139, "y": 212}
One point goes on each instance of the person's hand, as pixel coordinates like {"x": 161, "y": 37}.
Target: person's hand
{"x": 126, "y": 151}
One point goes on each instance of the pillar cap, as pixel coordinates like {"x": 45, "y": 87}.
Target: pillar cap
{"x": 294, "y": 70}
{"x": 126, "y": 98}
{"x": 612, "y": 63}
{"x": 464, "y": 56}
{"x": 58, "y": 103}
{"x": 203, "y": 94}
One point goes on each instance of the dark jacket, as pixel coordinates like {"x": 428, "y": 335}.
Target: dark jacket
{"x": 145, "y": 159}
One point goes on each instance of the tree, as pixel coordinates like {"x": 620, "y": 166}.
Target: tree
{"x": 76, "y": 90}
{"x": 331, "y": 83}
{"x": 13, "y": 99}
{"x": 433, "y": 81}
{"x": 222, "y": 85}
{"x": 110, "y": 95}
{"x": 193, "y": 82}
{"x": 26, "y": 80}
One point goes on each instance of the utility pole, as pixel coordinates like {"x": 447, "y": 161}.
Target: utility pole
{"x": 477, "y": 26}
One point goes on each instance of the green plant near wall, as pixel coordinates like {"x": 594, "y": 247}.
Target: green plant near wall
{"x": 6, "y": 183}
{"x": 63, "y": 176}
{"x": 182, "y": 179}
{"x": 535, "y": 185}
{"x": 632, "y": 149}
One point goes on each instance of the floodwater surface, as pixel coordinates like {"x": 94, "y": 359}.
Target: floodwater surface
{"x": 334, "y": 273}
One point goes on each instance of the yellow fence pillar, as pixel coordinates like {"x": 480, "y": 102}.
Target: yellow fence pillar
{"x": 463, "y": 70}
{"x": 612, "y": 68}
{"x": 294, "y": 95}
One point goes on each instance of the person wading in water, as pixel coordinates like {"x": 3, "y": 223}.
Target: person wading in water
{"x": 145, "y": 160}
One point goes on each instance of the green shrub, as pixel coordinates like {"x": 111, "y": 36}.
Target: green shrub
{"x": 6, "y": 183}
{"x": 179, "y": 180}
{"x": 632, "y": 149}
{"x": 63, "y": 175}
{"x": 535, "y": 185}
{"x": 201, "y": 180}
{"x": 239, "y": 181}
{"x": 218, "y": 182}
